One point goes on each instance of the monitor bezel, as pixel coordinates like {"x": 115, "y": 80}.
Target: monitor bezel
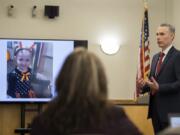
{"x": 77, "y": 43}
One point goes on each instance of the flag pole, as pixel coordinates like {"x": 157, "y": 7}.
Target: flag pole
{"x": 144, "y": 58}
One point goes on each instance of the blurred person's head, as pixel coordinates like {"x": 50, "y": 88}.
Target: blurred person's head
{"x": 82, "y": 79}
{"x": 165, "y": 35}
{"x": 81, "y": 93}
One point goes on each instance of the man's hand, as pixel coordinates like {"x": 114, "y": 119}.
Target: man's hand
{"x": 140, "y": 83}
{"x": 153, "y": 85}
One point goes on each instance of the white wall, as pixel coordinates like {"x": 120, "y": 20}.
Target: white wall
{"x": 176, "y": 20}
{"x": 91, "y": 19}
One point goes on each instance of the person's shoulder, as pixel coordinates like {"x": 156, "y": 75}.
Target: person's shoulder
{"x": 116, "y": 114}
{"x": 120, "y": 123}
{"x": 174, "y": 50}
{"x": 36, "y": 121}
{"x": 38, "y": 126}
{"x": 117, "y": 111}
{"x": 156, "y": 55}
{"x": 29, "y": 69}
{"x": 176, "y": 53}
{"x": 43, "y": 124}
{"x": 12, "y": 73}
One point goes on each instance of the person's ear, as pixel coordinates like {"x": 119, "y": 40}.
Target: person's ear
{"x": 172, "y": 36}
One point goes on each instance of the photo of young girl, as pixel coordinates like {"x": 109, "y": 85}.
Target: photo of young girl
{"x": 29, "y": 69}
{"x": 19, "y": 79}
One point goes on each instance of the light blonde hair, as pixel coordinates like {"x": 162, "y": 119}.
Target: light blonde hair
{"x": 82, "y": 94}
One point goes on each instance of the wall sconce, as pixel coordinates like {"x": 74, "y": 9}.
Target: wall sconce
{"x": 109, "y": 46}
{"x": 110, "y": 49}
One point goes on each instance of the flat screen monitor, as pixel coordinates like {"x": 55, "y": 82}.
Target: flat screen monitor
{"x": 174, "y": 120}
{"x": 29, "y": 67}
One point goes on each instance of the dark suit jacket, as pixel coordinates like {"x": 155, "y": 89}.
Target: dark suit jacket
{"x": 167, "y": 99}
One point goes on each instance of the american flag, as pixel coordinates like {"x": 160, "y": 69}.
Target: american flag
{"x": 144, "y": 52}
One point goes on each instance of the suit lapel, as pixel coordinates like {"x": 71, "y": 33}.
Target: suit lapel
{"x": 154, "y": 63}
{"x": 166, "y": 59}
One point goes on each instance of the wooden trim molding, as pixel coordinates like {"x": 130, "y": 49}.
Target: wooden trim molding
{"x": 122, "y": 101}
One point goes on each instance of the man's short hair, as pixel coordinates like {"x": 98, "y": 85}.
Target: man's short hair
{"x": 171, "y": 27}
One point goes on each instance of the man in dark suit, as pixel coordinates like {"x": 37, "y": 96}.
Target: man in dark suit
{"x": 164, "y": 80}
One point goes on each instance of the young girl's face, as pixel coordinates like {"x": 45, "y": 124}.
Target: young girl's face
{"x": 23, "y": 60}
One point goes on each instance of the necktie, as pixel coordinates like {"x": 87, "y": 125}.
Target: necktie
{"x": 158, "y": 67}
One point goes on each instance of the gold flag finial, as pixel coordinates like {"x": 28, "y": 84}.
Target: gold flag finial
{"x": 145, "y": 4}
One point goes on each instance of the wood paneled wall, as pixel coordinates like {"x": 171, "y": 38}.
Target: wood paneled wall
{"x": 138, "y": 115}
{"x": 10, "y": 118}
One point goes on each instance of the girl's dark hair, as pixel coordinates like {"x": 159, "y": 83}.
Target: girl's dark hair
{"x": 82, "y": 94}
